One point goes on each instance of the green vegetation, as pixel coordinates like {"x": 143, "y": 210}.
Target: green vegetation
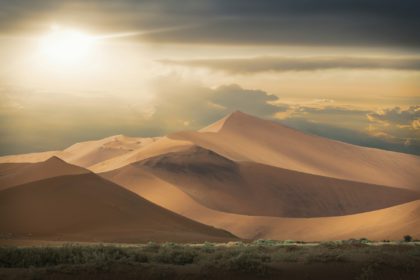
{"x": 262, "y": 258}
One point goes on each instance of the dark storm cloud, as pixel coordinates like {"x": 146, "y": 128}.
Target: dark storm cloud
{"x": 280, "y": 64}
{"x": 304, "y": 22}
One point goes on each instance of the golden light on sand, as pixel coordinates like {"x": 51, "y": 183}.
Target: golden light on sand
{"x": 65, "y": 45}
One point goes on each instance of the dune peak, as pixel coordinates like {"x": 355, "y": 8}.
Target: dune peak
{"x": 55, "y": 159}
{"x": 234, "y": 117}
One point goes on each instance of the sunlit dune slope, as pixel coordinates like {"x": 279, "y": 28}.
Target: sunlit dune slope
{"x": 89, "y": 208}
{"x": 242, "y": 137}
{"x": 87, "y": 153}
{"x": 388, "y": 223}
{"x": 161, "y": 146}
{"x": 256, "y": 189}
{"x": 92, "y": 152}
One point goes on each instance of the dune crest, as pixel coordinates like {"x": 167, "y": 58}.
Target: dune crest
{"x": 389, "y": 223}
{"x": 252, "y": 177}
{"x": 241, "y": 137}
{"x": 13, "y": 174}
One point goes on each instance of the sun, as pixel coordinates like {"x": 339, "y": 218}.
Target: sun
{"x": 65, "y": 45}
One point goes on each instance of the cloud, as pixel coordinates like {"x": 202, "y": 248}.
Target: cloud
{"x": 179, "y": 101}
{"x": 355, "y": 136}
{"x": 287, "y": 22}
{"x": 33, "y": 121}
{"x": 409, "y": 117}
{"x": 393, "y": 128}
{"x": 282, "y": 64}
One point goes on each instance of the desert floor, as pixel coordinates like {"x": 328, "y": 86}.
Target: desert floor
{"x": 263, "y": 259}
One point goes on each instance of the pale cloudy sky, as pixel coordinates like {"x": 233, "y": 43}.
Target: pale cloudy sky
{"x": 348, "y": 70}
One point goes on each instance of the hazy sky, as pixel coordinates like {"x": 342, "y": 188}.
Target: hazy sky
{"x": 79, "y": 70}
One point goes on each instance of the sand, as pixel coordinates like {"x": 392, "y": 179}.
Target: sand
{"x": 252, "y": 177}
{"x": 389, "y": 223}
{"x": 255, "y": 189}
{"x": 87, "y": 153}
{"x": 13, "y": 174}
{"x": 242, "y": 137}
{"x": 87, "y": 207}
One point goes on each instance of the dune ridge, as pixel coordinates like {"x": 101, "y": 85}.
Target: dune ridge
{"x": 388, "y": 223}
{"x": 255, "y": 189}
{"x": 86, "y": 207}
{"x": 241, "y": 137}
{"x": 252, "y": 177}
{"x": 13, "y": 174}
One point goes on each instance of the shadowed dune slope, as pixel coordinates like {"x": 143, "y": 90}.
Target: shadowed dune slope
{"x": 13, "y": 174}
{"x": 87, "y": 207}
{"x": 241, "y": 137}
{"x": 256, "y": 189}
{"x": 388, "y": 223}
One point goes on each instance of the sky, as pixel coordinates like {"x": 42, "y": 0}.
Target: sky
{"x": 73, "y": 71}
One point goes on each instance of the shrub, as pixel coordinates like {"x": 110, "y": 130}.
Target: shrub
{"x": 208, "y": 247}
{"x": 364, "y": 240}
{"x": 408, "y": 238}
{"x": 151, "y": 247}
{"x": 175, "y": 255}
{"x": 265, "y": 242}
{"x": 248, "y": 261}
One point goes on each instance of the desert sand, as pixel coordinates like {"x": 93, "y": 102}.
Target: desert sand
{"x": 389, "y": 223}
{"x": 256, "y": 189}
{"x": 86, "y": 207}
{"x": 87, "y": 153}
{"x": 13, "y": 174}
{"x": 242, "y": 137}
{"x": 252, "y": 177}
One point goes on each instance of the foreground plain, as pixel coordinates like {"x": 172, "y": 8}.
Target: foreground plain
{"x": 262, "y": 259}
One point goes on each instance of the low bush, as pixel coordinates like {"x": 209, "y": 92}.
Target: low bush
{"x": 174, "y": 254}
{"x": 408, "y": 238}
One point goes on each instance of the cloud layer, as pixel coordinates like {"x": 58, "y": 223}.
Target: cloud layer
{"x": 409, "y": 117}
{"x": 282, "y": 64}
{"x": 36, "y": 121}
{"x": 270, "y": 22}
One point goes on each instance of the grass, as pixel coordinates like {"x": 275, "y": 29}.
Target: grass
{"x": 258, "y": 258}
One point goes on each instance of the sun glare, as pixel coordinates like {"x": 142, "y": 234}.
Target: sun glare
{"x": 66, "y": 46}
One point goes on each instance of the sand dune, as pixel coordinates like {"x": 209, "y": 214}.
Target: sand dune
{"x": 255, "y": 189}
{"x": 88, "y": 208}
{"x": 161, "y": 146}
{"x": 252, "y": 177}
{"x": 92, "y": 152}
{"x": 388, "y": 223}
{"x": 31, "y": 157}
{"x": 241, "y": 137}
{"x": 87, "y": 153}
{"x": 13, "y": 174}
